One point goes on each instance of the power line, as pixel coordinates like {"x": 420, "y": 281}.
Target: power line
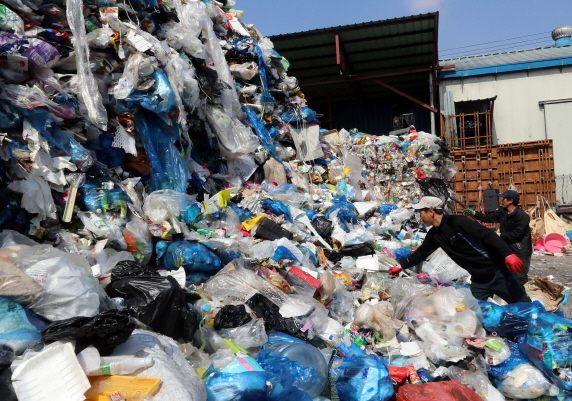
{"x": 504, "y": 45}
{"x": 497, "y": 48}
{"x": 496, "y": 41}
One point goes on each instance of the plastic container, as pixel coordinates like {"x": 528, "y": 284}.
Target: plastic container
{"x": 103, "y": 386}
{"x": 554, "y": 242}
{"x": 308, "y": 356}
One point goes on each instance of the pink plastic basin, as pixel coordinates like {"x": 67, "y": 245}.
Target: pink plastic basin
{"x": 554, "y": 243}
{"x": 539, "y": 246}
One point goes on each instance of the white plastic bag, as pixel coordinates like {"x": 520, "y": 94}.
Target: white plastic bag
{"x": 179, "y": 382}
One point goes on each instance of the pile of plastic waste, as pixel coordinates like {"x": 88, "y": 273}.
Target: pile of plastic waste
{"x": 175, "y": 225}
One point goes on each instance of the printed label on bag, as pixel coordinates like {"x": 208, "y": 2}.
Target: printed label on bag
{"x": 494, "y": 344}
{"x": 40, "y": 276}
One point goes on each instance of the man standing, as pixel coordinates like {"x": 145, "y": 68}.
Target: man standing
{"x": 514, "y": 228}
{"x": 490, "y": 261}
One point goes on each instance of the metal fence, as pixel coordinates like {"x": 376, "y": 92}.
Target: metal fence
{"x": 564, "y": 189}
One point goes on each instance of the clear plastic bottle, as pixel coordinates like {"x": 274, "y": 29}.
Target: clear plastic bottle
{"x": 308, "y": 356}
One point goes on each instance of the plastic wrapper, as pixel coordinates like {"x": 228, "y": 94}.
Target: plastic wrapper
{"x": 363, "y": 378}
{"x": 87, "y": 84}
{"x": 156, "y": 301}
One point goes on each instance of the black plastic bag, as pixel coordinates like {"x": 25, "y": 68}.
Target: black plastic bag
{"x": 357, "y": 250}
{"x": 273, "y": 320}
{"x": 323, "y": 227}
{"x": 208, "y": 78}
{"x": 332, "y": 256}
{"x": 104, "y": 331}
{"x": 231, "y": 316}
{"x": 7, "y": 392}
{"x": 159, "y": 302}
{"x": 7, "y": 356}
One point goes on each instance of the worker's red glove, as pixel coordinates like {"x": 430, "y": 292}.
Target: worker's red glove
{"x": 514, "y": 263}
{"x": 394, "y": 271}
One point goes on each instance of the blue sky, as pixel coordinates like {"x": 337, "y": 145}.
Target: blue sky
{"x": 527, "y": 23}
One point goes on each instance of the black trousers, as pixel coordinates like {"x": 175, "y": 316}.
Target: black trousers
{"x": 505, "y": 284}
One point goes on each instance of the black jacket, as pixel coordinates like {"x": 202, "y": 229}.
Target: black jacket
{"x": 514, "y": 228}
{"x": 474, "y": 247}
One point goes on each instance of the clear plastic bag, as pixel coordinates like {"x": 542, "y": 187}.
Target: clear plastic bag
{"x": 139, "y": 240}
{"x": 130, "y": 78}
{"x": 234, "y": 138}
{"x": 70, "y": 290}
{"x": 10, "y": 21}
{"x": 98, "y": 226}
{"x": 526, "y": 382}
{"x": 249, "y": 336}
{"x": 89, "y": 91}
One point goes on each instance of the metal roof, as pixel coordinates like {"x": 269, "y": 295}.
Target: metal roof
{"x": 338, "y": 64}
{"x": 507, "y": 62}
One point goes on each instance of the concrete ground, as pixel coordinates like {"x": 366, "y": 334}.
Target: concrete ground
{"x": 559, "y": 267}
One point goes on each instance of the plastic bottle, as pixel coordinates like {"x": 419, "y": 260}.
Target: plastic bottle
{"x": 124, "y": 367}
{"x": 308, "y": 356}
{"x": 427, "y": 333}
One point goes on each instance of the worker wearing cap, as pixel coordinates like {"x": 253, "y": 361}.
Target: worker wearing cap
{"x": 479, "y": 250}
{"x": 514, "y": 228}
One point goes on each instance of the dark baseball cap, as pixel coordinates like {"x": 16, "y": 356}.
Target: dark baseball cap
{"x": 510, "y": 194}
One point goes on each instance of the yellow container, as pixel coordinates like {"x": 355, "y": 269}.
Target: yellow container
{"x": 135, "y": 388}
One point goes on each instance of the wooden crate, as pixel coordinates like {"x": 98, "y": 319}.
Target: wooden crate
{"x": 530, "y": 164}
{"x": 477, "y": 168}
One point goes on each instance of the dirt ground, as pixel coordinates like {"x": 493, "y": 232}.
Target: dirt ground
{"x": 559, "y": 267}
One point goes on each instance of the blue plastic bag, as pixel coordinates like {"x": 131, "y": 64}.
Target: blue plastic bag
{"x": 363, "y": 378}
{"x": 58, "y": 137}
{"x": 247, "y": 386}
{"x": 16, "y": 331}
{"x": 402, "y": 253}
{"x": 548, "y": 345}
{"x": 168, "y": 170}
{"x": 192, "y": 256}
{"x": 105, "y": 153}
{"x": 284, "y": 253}
{"x": 508, "y": 320}
{"x": 162, "y": 98}
{"x": 278, "y": 208}
{"x": 386, "y": 208}
{"x": 283, "y": 373}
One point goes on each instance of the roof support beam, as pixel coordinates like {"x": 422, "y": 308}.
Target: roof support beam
{"x": 296, "y": 60}
{"x": 326, "y": 44}
{"x": 389, "y": 74}
{"x": 405, "y": 95}
{"x": 356, "y": 28}
{"x": 345, "y": 69}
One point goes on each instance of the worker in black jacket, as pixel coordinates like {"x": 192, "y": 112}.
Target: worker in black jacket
{"x": 479, "y": 250}
{"x": 514, "y": 228}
